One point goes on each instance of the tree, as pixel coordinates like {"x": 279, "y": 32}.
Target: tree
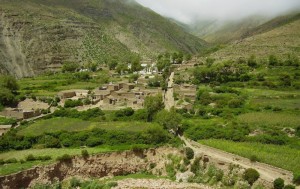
{"x": 9, "y": 83}
{"x": 278, "y": 183}
{"x": 189, "y": 153}
{"x": 251, "y": 175}
{"x": 112, "y": 64}
{"x": 70, "y": 67}
{"x": 153, "y": 104}
{"x": 168, "y": 119}
{"x": 136, "y": 65}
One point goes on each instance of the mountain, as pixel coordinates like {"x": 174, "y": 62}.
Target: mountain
{"x": 217, "y": 31}
{"x": 278, "y": 39}
{"x": 38, "y": 35}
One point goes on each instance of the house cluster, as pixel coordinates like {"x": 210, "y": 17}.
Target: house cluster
{"x": 187, "y": 93}
{"x": 25, "y": 110}
{"x": 4, "y": 129}
{"x": 113, "y": 95}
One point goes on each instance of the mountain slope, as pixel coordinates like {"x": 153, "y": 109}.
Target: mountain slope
{"x": 37, "y": 35}
{"x": 280, "y": 41}
{"x": 215, "y": 31}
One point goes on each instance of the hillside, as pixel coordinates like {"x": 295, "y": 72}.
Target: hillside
{"x": 280, "y": 41}
{"x": 38, "y": 35}
{"x": 216, "y": 31}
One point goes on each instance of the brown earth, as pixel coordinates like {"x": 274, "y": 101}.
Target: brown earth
{"x": 98, "y": 166}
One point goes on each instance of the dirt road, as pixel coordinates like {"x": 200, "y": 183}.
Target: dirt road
{"x": 267, "y": 172}
{"x": 168, "y": 96}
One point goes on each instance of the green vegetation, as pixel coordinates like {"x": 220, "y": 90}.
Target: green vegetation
{"x": 7, "y": 121}
{"x": 278, "y": 183}
{"x": 72, "y": 124}
{"x": 251, "y": 175}
{"x": 189, "y": 153}
{"x": 280, "y": 156}
{"x": 8, "y": 91}
{"x": 153, "y": 104}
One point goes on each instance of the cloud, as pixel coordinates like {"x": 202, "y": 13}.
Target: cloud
{"x": 190, "y": 10}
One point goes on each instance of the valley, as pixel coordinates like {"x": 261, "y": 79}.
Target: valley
{"x": 110, "y": 94}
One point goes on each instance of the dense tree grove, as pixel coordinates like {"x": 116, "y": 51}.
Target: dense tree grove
{"x": 8, "y": 91}
{"x": 222, "y": 73}
{"x": 151, "y": 136}
{"x": 153, "y": 104}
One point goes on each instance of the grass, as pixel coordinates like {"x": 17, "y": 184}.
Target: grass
{"x": 50, "y": 85}
{"x": 280, "y": 156}
{"x": 71, "y": 124}
{"x": 282, "y": 103}
{"x": 7, "y": 121}
{"x": 270, "y": 119}
{"x": 54, "y": 153}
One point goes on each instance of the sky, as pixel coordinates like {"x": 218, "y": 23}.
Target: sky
{"x": 188, "y": 11}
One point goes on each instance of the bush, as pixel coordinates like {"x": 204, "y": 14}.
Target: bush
{"x": 124, "y": 112}
{"x": 64, "y": 158}
{"x": 278, "y": 183}
{"x": 296, "y": 179}
{"x": 254, "y": 158}
{"x": 73, "y": 103}
{"x": 85, "y": 153}
{"x": 289, "y": 187}
{"x": 74, "y": 182}
{"x": 189, "y": 153}
{"x": 11, "y": 160}
{"x": 30, "y": 157}
{"x": 112, "y": 184}
{"x": 44, "y": 158}
{"x": 251, "y": 175}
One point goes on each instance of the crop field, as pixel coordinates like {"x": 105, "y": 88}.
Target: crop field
{"x": 54, "y": 153}
{"x": 50, "y": 85}
{"x": 291, "y": 104}
{"x": 280, "y": 156}
{"x": 71, "y": 124}
{"x": 270, "y": 119}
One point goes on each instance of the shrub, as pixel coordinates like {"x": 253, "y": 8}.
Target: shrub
{"x": 189, "y": 153}
{"x": 296, "y": 179}
{"x": 30, "y": 157}
{"x": 251, "y": 175}
{"x": 73, "y": 103}
{"x": 64, "y": 158}
{"x": 112, "y": 184}
{"x": 2, "y": 161}
{"x": 84, "y": 153}
{"x": 278, "y": 183}
{"x": 289, "y": 187}
{"x": 11, "y": 160}
{"x": 44, "y": 158}
{"x": 74, "y": 182}
{"x": 195, "y": 167}
{"x": 254, "y": 158}
{"x": 152, "y": 165}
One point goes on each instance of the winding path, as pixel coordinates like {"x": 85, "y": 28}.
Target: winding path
{"x": 267, "y": 172}
{"x": 168, "y": 96}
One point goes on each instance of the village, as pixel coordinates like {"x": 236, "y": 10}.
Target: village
{"x": 110, "y": 96}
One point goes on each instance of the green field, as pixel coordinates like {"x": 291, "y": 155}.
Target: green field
{"x": 279, "y": 156}
{"x": 270, "y": 119}
{"x": 50, "y": 85}
{"x": 71, "y": 124}
{"x": 54, "y": 153}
